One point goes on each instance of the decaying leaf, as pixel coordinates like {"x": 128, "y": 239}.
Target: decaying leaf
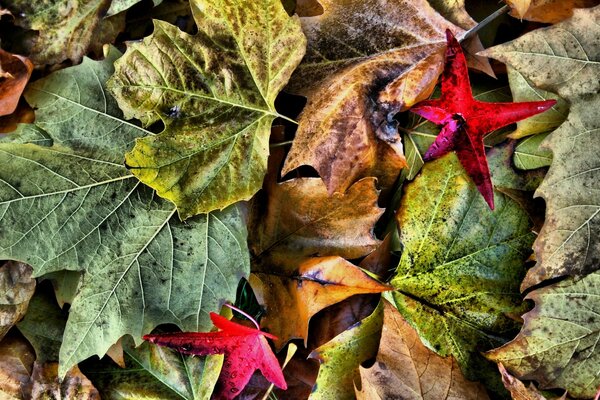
{"x": 459, "y": 273}
{"x": 45, "y": 384}
{"x": 356, "y": 83}
{"x": 517, "y": 389}
{"x": 16, "y": 71}
{"x": 550, "y": 11}
{"x": 214, "y": 92}
{"x": 523, "y": 90}
{"x": 558, "y": 343}
{"x": 341, "y": 357}
{"x": 16, "y": 365}
{"x": 317, "y": 283}
{"x": 565, "y": 58}
{"x": 302, "y": 220}
{"x": 16, "y": 289}
{"x": 68, "y": 202}
{"x": 406, "y": 369}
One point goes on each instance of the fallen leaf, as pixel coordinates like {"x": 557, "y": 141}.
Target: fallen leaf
{"x": 214, "y": 92}
{"x": 506, "y": 176}
{"x": 245, "y": 350}
{"x": 58, "y": 30}
{"x": 517, "y": 389}
{"x": 16, "y": 73}
{"x": 68, "y": 202}
{"x": 318, "y": 283}
{"x": 557, "y": 345}
{"x": 45, "y": 384}
{"x": 568, "y": 243}
{"x": 549, "y": 11}
{"x": 346, "y": 131}
{"x": 458, "y": 277}
{"x": 466, "y": 121}
{"x": 300, "y": 219}
{"x": 523, "y": 90}
{"x": 406, "y": 369}
{"x": 529, "y": 153}
{"x": 23, "y": 114}
{"x": 16, "y": 289}
{"x": 16, "y": 364}
{"x": 341, "y": 357}
{"x": 117, "y": 6}
{"x": 66, "y": 284}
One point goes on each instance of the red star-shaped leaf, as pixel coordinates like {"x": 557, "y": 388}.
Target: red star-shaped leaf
{"x": 245, "y": 350}
{"x": 466, "y": 121}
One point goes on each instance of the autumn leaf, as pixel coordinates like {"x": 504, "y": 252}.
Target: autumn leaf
{"x": 214, "y": 92}
{"x": 406, "y": 369}
{"x": 45, "y": 384}
{"x": 517, "y": 389}
{"x": 317, "y": 283}
{"x": 300, "y": 220}
{"x": 245, "y": 350}
{"x": 549, "y": 11}
{"x": 16, "y": 71}
{"x": 568, "y": 242}
{"x": 465, "y": 121}
{"x": 68, "y": 202}
{"x": 557, "y": 345}
{"x": 346, "y": 131}
{"x": 16, "y": 364}
{"x": 506, "y": 176}
{"x": 458, "y": 276}
{"x": 529, "y": 153}
{"x": 341, "y": 357}
{"x": 16, "y": 289}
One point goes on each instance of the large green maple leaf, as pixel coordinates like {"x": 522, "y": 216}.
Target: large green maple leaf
{"x": 459, "y": 273}
{"x": 68, "y": 202}
{"x": 215, "y": 94}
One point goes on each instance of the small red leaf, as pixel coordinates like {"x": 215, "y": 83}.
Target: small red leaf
{"x": 466, "y": 121}
{"x": 245, "y": 349}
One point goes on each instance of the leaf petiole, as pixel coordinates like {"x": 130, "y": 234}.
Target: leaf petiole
{"x": 244, "y": 314}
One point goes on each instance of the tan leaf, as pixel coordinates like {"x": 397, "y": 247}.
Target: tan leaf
{"x": 301, "y": 220}
{"x": 517, "y": 389}
{"x": 16, "y": 289}
{"x": 318, "y": 283}
{"x": 74, "y": 386}
{"x": 16, "y": 363}
{"x": 15, "y": 71}
{"x": 406, "y": 369}
{"x": 549, "y": 11}
{"x": 363, "y": 65}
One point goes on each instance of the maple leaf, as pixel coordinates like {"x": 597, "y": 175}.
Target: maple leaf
{"x": 245, "y": 350}
{"x": 466, "y": 121}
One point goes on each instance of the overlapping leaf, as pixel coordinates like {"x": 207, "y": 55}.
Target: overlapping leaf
{"x": 529, "y": 153}
{"x": 406, "y": 369}
{"x": 558, "y": 345}
{"x": 15, "y": 71}
{"x": 565, "y": 58}
{"x": 16, "y": 364}
{"x": 67, "y": 202}
{"x": 356, "y": 83}
{"x": 461, "y": 266}
{"x": 215, "y": 94}
{"x": 16, "y": 289}
{"x": 550, "y": 11}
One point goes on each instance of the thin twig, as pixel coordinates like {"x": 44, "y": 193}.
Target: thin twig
{"x": 244, "y": 314}
{"x": 281, "y": 144}
{"x": 486, "y": 21}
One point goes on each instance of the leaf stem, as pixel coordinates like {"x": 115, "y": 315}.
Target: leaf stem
{"x": 244, "y": 314}
{"x": 485, "y": 21}
{"x": 281, "y": 144}
{"x": 286, "y": 118}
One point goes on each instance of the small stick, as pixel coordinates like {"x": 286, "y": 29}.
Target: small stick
{"x": 244, "y": 314}
{"x": 486, "y": 21}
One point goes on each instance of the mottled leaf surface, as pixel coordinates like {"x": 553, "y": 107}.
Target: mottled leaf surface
{"x": 16, "y": 289}
{"x": 558, "y": 343}
{"x": 46, "y": 384}
{"x": 460, "y": 270}
{"x": 406, "y": 369}
{"x": 565, "y": 59}
{"x": 214, "y": 92}
{"x": 68, "y": 202}
{"x": 529, "y": 153}
{"x": 549, "y": 11}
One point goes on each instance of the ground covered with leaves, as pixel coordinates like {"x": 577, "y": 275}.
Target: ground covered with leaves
{"x": 393, "y": 200}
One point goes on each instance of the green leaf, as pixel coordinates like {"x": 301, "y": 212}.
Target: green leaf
{"x": 530, "y": 155}
{"x": 569, "y": 242}
{"x": 342, "y": 355}
{"x": 61, "y": 29}
{"x": 214, "y": 93}
{"x": 558, "y": 343}
{"x": 117, "y": 6}
{"x": 504, "y": 173}
{"x": 460, "y": 270}
{"x": 68, "y": 202}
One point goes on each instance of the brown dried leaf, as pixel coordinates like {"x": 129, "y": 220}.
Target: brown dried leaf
{"x": 74, "y": 386}
{"x": 15, "y": 72}
{"x": 16, "y": 362}
{"x": 317, "y": 283}
{"x": 517, "y": 389}
{"x": 16, "y": 289}
{"x": 301, "y": 220}
{"x": 406, "y": 369}
{"x": 549, "y": 11}
{"x": 363, "y": 65}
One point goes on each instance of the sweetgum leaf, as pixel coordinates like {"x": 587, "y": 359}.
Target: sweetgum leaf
{"x": 565, "y": 59}
{"x": 558, "y": 343}
{"x": 215, "y": 94}
{"x": 68, "y": 202}
{"x": 460, "y": 270}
